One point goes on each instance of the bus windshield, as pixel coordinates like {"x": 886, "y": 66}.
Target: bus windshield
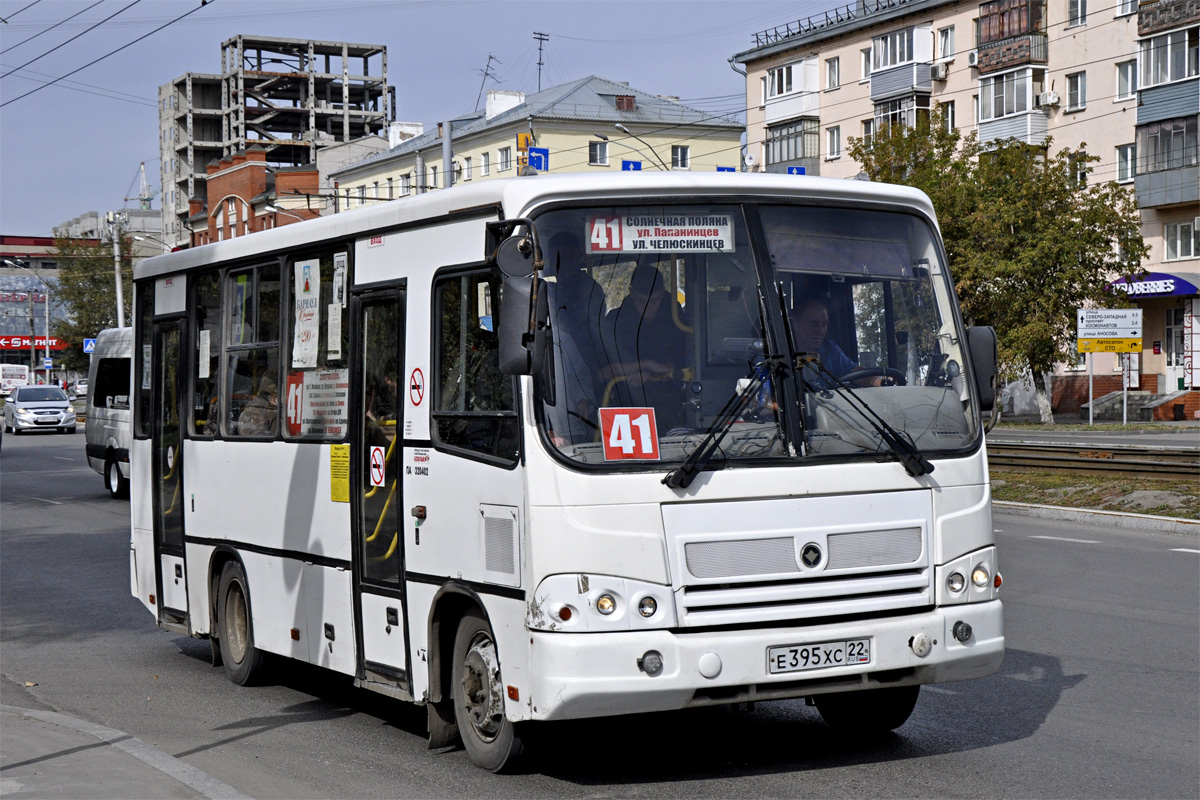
{"x": 796, "y": 330}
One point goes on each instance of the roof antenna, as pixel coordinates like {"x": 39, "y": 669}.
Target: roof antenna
{"x": 487, "y": 73}
{"x": 540, "y": 37}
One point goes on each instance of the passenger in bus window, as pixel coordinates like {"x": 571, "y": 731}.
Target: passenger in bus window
{"x": 810, "y": 330}
{"x": 259, "y": 415}
{"x": 647, "y": 347}
{"x": 578, "y": 309}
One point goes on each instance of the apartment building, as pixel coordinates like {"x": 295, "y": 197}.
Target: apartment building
{"x": 588, "y": 125}
{"x": 1116, "y": 78}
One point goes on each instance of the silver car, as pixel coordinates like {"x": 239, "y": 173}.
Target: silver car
{"x": 39, "y": 408}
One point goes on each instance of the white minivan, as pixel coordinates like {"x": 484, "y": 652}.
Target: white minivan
{"x": 109, "y": 418}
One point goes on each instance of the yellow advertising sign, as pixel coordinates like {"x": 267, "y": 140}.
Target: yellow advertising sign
{"x": 339, "y": 473}
{"x": 524, "y": 141}
{"x": 1109, "y": 345}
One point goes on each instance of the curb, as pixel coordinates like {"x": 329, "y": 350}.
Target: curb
{"x": 186, "y": 774}
{"x": 1116, "y": 519}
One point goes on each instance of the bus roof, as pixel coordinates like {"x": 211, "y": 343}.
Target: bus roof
{"x": 516, "y": 196}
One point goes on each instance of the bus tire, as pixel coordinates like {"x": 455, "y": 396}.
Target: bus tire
{"x": 872, "y": 711}
{"x": 116, "y": 483}
{"x": 241, "y": 658}
{"x": 477, "y": 690}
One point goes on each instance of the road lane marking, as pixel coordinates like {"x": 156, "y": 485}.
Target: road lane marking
{"x": 44, "y": 500}
{"x": 1065, "y": 539}
{"x": 1183, "y": 550}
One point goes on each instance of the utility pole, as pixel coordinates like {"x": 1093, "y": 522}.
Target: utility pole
{"x": 540, "y": 37}
{"x": 487, "y": 73}
{"x": 114, "y": 228}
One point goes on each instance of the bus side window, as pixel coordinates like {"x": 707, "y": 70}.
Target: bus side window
{"x": 206, "y": 300}
{"x": 470, "y": 390}
{"x": 252, "y": 299}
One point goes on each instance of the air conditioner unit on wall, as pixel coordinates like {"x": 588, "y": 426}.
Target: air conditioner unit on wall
{"x": 972, "y": 58}
{"x": 1047, "y": 99}
{"x": 939, "y": 72}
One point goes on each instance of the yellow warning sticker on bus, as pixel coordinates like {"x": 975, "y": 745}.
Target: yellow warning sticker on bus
{"x": 339, "y": 473}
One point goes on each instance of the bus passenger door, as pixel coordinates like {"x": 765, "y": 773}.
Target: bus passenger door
{"x": 376, "y": 487}
{"x": 167, "y": 472}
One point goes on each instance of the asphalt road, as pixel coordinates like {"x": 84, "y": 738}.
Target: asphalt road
{"x": 1097, "y": 695}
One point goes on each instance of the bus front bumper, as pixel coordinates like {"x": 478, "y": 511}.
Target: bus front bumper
{"x": 602, "y": 674}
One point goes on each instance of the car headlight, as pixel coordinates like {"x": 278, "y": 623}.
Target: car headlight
{"x": 587, "y": 603}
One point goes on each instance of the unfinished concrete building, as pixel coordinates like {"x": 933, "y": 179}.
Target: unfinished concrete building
{"x": 289, "y": 96}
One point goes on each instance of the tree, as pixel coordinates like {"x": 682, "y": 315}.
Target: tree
{"x": 86, "y": 284}
{"x": 1030, "y": 239}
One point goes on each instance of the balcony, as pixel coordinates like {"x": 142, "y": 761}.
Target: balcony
{"x": 792, "y": 106}
{"x": 1165, "y": 15}
{"x": 1029, "y": 48}
{"x": 905, "y": 79}
{"x": 1030, "y": 127}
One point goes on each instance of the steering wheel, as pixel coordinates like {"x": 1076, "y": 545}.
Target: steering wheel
{"x": 892, "y": 377}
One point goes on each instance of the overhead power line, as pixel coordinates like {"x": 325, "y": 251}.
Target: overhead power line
{"x": 203, "y": 3}
{"x": 19, "y": 10}
{"x": 52, "y": 27}
{"x": 73, "y": 38}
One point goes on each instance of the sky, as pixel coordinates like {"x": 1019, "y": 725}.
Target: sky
{"x": 76, "y": 145}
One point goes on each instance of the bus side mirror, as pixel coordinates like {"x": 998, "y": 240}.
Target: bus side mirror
{"x": 522, "y": 350}
{"x": 514, "y": 256}
{"x": 981, "y": 341}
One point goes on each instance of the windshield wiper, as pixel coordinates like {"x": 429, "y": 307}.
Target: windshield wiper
{"x": 772, "y": 368}
{"x": 913, "y": 461}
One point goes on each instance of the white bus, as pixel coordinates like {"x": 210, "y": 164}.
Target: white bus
{"x": 571, "y": 446}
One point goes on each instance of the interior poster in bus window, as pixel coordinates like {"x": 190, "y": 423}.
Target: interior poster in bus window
{"x": 307, "y": 297}
{"x": 318, "y": 402}
{"x": 660, "y": 233}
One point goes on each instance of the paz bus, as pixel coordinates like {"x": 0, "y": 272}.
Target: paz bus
{"x": 557, "y": 447}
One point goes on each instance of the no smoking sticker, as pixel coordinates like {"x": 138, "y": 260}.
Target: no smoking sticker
{"x": 416, "y": 387}
{"x": 377, "y": 466}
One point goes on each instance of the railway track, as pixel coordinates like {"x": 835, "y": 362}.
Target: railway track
{"x": 1142, "y": 462}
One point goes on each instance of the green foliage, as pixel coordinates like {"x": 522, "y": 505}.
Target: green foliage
{"x": 1028, "y": 241}
{"x": 87, "y": 286}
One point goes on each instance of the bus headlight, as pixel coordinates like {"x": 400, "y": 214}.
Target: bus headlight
{"x": 980, "y": 576}
{"x": 956, "y": 582}
{"x": 968, "y": 578}
{"x": 591, "y": 603}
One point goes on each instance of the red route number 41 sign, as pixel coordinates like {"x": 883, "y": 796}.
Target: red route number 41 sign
{"x": 629, "y": 433}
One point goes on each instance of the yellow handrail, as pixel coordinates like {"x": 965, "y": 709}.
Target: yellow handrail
{"x": 383, "y": 513}
{"x": 391, "y": 550}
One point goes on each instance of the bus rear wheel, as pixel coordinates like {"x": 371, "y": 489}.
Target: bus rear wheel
{"x": 488, "y": 736}
{"x": 118, "y": 484}
{"x": 242, "y": 660}
{"x": 872, "y": 711}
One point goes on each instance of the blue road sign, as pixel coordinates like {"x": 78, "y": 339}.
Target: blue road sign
{"x": 539, "y": 158}
{"x": 89, "y": 345}
{"x": 631, "y": 166}
{"x": 48, "y": 363}
{"x": 795, "y": 170}
{"x": 726, "y": 169}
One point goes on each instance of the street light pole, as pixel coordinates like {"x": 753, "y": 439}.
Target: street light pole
{"x": 627, "y": 132}
{"x": 115, "y": 229}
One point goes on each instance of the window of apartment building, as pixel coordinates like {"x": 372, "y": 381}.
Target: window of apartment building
{"x": 1078, "y": 163}
{"x": 793, "y": 141}
{"x": 1076, "y": 91}
{"x": 681, "y": 156}
{"x": 1126, "y": 7}
{"x": 433, "y": 178}
{"x": 1170, "y": 57}
{"x": 1076, "y": 12}
{"x": 833, "y": 73}
{"x": 868, "y": 131}
{"x": 779, "y": 81}
{"x": 892, "y": 49}
{"x": 1180, "y": 240}
{"x": 1001, "y": 95}
{"x": 598, "y": 154}
{"x": 945, "y": 42}
{"x": 1004, "y": 19}
{"x": 504, "y": 160}
{"x": 1126, "y": 160}
{"x": 405, "y": 185}
{"x": 864, "y": 63}
{"x": 467, "y": 168}
{"x": 949, "y": 121}
{"x": 1126, "y": 80}
{"x": 391, "y": 188}
{"x": 903, "y": 111}
{"x": 348, "y": 199}
{"x": 485, "y": 164}
{"x": 833, "y": 142}
{"x": 375, "y": 190}
{"x": 362, "y": 195}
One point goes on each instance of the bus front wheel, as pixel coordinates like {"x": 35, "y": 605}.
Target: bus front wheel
{"x": 241, "y": 658}
{"x": 869, "y": 711}
{"x": 489, "y": 737}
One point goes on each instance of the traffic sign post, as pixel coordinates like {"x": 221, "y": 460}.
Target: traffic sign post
{"x": 1108, "y": 330}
